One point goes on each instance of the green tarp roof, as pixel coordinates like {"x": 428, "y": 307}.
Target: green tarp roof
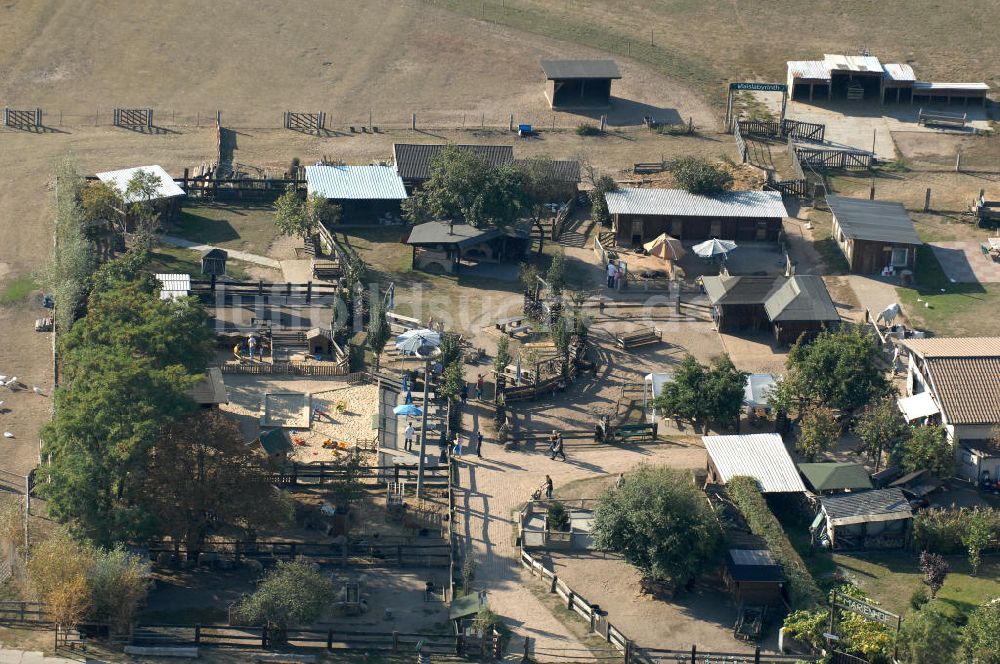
{"x": 466, "y": 606}
{"x": 836, "y": 476}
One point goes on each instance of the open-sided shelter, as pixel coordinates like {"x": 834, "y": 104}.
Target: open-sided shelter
{"x": 441, "y": 246}
{"x": 761, "y": 455}
{"x": 879, "y": 519}
{"x": 754, "y": 576}
{"x": 875, "y": 236}
{"x": 165, "y": 199}
{"x": 365, "y": 194}
{"x": 639, "y": 215}
{"x": 579, "y": 83}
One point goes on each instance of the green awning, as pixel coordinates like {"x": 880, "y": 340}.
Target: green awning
{"x": 836, "y": 476}
{"x": 467, "y": 606}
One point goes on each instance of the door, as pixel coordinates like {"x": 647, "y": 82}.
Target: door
{"x": 637, "y": 232}
{"x": 676, "y": 228}
{"x": 715, "y": 228}
{"x": 761, "y": 231}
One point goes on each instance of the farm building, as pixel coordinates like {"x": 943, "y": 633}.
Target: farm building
{"x": 761, "y": 455}
{"x": 579, "y": 83}
{"x": 956, "y": 382}
{"x": 210, "y": 391}
{"x": 835, "y": 477}
{"x": 790, "y": 306}
{"x": 639, "y": 215}
{"x": 879, "y": 519}
{"x": 875, "y": 236}
{"x": 173, "y": 286}
{"x": 863, "y": 77}
{"x": 165, "y": 199}
{"x": 442, "y": 246}
{"x": 365, "y": 194}
{"x": 565, "y": 172}
{"x": 754, "y": 577}
{"x": 413, "y": 161}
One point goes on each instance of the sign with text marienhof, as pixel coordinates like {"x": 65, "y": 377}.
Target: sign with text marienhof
{"x": 759, "y": 87}
{"x": 864, "y": 609}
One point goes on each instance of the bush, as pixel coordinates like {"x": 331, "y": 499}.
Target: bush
{"x": 293, "y": 593}
{"x": 700, "y": 176}
{"x": 808, "y": 626}
{"x": 745, "y": 493}
{"x": 945, "y": 531}
{"x": 599, "y": 209}
{"x": 981, "y": 635}
{"x": 918, "y": 599}
{"x": 587, "y": 129}
{"x": 935, "y": 569}
{"x": 558, "y": 517}
{"x": 928, "y": 637}
{"x": 928, "y": 449}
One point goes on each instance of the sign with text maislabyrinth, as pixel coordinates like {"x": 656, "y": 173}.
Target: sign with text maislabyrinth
{"x": 759, "y": 87}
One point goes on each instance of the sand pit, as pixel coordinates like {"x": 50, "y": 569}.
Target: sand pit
{"x": 339, "y": 413}
{"x": 290, "y": 410}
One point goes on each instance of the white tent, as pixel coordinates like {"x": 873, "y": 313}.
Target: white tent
{"x": 652, "y": 386}
{"x": 918, "y": 406}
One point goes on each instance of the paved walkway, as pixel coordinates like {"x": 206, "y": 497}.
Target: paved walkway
{"x": 234, "y": 254}
{"x": 10, "y": 656}
{"x": 965, "y": 263}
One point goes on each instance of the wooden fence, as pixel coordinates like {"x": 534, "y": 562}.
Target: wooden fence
{"x": 804, "y": 131}
{"x": 244, "y": 189}
{"x": 851, "y": 160}
{"x": 29, "y": 119}
{"x": 741, "y": 145}
{"x": 313, "y": 474}
{"x": 283, "y": 369}
{"x": 27, "y": 613}
{"x": 384, "y": 552}
{"x": 208, "y": 291}
{"x": 133, "y": 118}
{"x": 310, "y": 122}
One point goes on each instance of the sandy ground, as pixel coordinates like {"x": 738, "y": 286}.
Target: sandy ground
{"x": 353, "y": 424}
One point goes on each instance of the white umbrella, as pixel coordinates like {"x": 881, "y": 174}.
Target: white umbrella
{"x": 410, "y": 341}
{"x": 713, "y": 247}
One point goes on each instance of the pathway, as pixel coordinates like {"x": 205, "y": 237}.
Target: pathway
{"x": 965, "y": 263}
{"x": 12, "y": 656}
{"x": 233, "y": 253}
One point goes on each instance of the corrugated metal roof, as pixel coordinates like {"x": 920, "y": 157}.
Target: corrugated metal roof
{"x": 442, "y": 232}
{"x": 809, "y": 69}
{"x": 928, "y": 85}
{"x": 918, "y": 406}
{"x": 174, "y": 285}
{"x": 355, "y": 183}
{"x": 866, "y": 507}
{"x": 801, "y": 298}
{"x": 561, "y": 69}
{"x": 120, "y": 179}
{"x": 855, "y": 63}
{"x": 413, "y": 160}
{"x": 899, "y": 72}
{"x": 954, "y": 346}
{"x": 836, "y": 476}
{"x": 677, "y": 202}
{"x": 761, "y": 455}
{"x": 877, "y": 221}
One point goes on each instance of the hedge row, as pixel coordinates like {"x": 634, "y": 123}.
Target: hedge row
{"x": 746, "y": 495}
{"x": 941, "y": 531}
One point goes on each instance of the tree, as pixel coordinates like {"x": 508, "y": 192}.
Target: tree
{"x": 881, "y": 428}
{"x": 724, "y": 388}
{"x": 541, "y": 187}
{"x": 981, "y": 634}
{"x": 73, "y": 258}
{"x": 450, "y": 347}
{"x": 452, "y": 381}
{"x": 347, "y": 489}
{"x": 102, "y": 205}
{"x": 556, "y": 274}
{"x": 463, "y": 184}
{"x": 700, "y": 176}
{"x": 140, "y": 192}
{"x": 599, "y": 204}
{"x": 293, "y": 593}
{"x": 528, "y": 275}
{"x": 503, "y": 357}
{"x": 119, "y": 583}
{"x": 295, "y": 217}
{"x": 928, "y": 637}
{"x": 934, "y": 568}
{"x": 928, "y": 449}
{"x": 378, "y": 331}
{"x": 702, "y": 393}
{"x": 659, "y": 521}
{"x": 820, "y": 432}
{"x": 57, "y": 575}
{"x": 838, "y": 369}
{"x": 200, "y": 476}
{"x": 979, "y": 526}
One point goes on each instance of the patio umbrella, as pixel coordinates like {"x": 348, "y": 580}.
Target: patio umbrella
{"x": 713, "y": 247}
{"x": 407, "y": 409}
{"x": 410, "y": 341}
{"x": 666, "y": 247}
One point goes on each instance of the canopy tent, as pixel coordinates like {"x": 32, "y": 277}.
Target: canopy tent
{"x": 666, "y": 247}
{"x": 652, "y": 387}
{"x": 713, "y": 247}
{"x": 411, "y": 341}
{"x": 757, "y": 388}
{"x": 918, "y": 406}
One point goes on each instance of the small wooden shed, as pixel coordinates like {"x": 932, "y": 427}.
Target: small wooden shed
{"x": 274, "y": 444}
{"x": 213, "y": 262}
{"x": 875, "y": 236}
{"x": 754, "y": 577}
{"x": 579, "y": 83}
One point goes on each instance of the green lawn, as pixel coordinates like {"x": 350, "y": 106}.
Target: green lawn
{"x": 16, "y": 289}
{"x": 955, "y": 309}
{"x": 249, "y": 229}
{"x": 185, "y": 261}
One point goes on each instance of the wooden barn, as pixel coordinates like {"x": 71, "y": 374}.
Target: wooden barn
{"x": 876, "y": 237}
{"x": 166, "y": 199}
{"x": 365, "y": 194}
{"x": 790, "y": 306}
{"x": 639, "y": 215}
{"x": 413, "y": 160}
{"x": 754, "y": 577}
{"x": 442, "y": 246}
{"x": 579, "y": 83}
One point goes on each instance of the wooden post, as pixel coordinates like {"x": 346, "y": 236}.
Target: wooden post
{"x": 927, "y": 200}
{"x": 510, "y": 122}
{"x": 527, "y": 641}
{"x": 958, "y": 162}
{"x": 395, "y": 641}
{"x": 569, "y": 600}
{"x": 756, "y": 655}
{"x": 628, "y": 651}
{"x": 288, "y": 289}
{"x": 329, "y": 639}
{"x": 149, "y": 118}
{"x": 413, "y": 121}
{"x": 197, "y": 633}
{"x": 694, "y": 654}
{"x": 260, "y": 288}
{"x": 555, "y": 580}
{"x": 309, "y": 291}
{"x": 604, "y": 122}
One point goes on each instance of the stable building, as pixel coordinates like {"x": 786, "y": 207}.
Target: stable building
{"x": 761, "y": 456}
{"x": 413, "y": 161}
{"x": 790, "y": 306}
{"x": 865, "y": 78}
{"x": 955, "y": 382}
{"x": 876, "y": 237}
{"x": 365, "y": 194}
{"x": 579, "y": 83}
{"x": 165, "y": 199}
{"x": 442, "y": 246}
{"x": 565, "y": 174}
{"x": 639, "y": 215}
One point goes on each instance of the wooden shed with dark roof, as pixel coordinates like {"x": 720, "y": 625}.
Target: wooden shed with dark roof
{"x": 413, "y": 161}
{"x": 874, "y": 235}
{"x": 579, "y": 83}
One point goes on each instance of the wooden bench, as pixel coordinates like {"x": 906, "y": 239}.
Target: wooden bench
{"x": 640, "y": 432}
{"x": 942, "y": 119}
{"x": 647, "y": 335}
{"x": 325, "y": 269}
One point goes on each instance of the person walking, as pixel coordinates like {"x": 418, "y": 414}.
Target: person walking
{"x": 612, "y": 271}
{"x": 458, "y": 445}
{"x": 548, "y": 487}
{"x": 553, "y": 437}
{"x": 479, "y": 387}
{"x": 408, "y": 444}
{"x": 479, "y": 444}
{"x": 251, "y": 345}
{"x": 557, "y": 449}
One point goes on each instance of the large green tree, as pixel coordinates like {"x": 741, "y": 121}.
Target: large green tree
{"x": 378, "y": 330}
{"x": 703, "y": 393}
{"x": 928, "y": 448}
{"x": 298, "y": 217}
{"x": 660, "y": 522}
{"x": 880, "y": 428}
{"x": 839, "y": 369}
{"x": 293, "y": 593}
{"x": 981, "y": 634}
{"x": 820, "y": 432}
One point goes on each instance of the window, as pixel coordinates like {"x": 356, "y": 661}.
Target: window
{"x": 715, "y": 228}
{"x": 899, "y": 256}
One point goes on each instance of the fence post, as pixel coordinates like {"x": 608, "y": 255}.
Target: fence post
{"x": 263, "y": 636}
{"x": 197, "y": 633}
{"x": 395, "y": 640}
{"x": 527, "y": 640}
{"x": 399, "y": 554}
{"x": 694, "y": 654}
{"x": 958, "y": 162}
{"x": 309, "y": 291}
{"x": 510, "y": 122}
{"x": 329, "y": 639}
{"x": 756, "y": 655}
{"x": 413, "y": 121}
{"x": 569, "y": 600}
{"x": 459, "y": 644}
{"x": 555, "y": 579}
{"x": 927, "y": 200}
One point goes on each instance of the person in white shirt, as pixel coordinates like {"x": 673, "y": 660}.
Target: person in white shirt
{"x": 612, "y": 272}
{"x": 408, "y": 445}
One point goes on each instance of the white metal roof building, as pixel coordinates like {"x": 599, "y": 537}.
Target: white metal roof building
{"x": 120, "y": 179}
{"x": 761, "y": 455}
{"x": 173, "y": 286}
{"x": 366, "y": 183}
{"x": 678, "y": 202}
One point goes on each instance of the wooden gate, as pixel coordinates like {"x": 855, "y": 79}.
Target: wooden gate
{"x": 30, "y": 119}
{"x": 134, "y": 118}
{"x": 309, "y": 122}
{"x": 805, "y": 131}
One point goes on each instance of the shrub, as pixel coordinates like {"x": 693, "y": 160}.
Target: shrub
{"x": 808, "y": 626}
{"x": 934, "y": 568}
{"x": 293, "y": 593}
{"x": 745, "y": 493}
{"x": 700, "y": 176}
{"x": 599, "y": 209}
{"x": 918, "y": 599}
{"x": 558, "y": 517}
{"x": 947, "y": 531}
{"x": 928, "y": 637}
{"x": 981, "y": 635}
{"x": 587, "y": 129}
{"x": 820, "y": 432}
{"x": 928, "y": 449}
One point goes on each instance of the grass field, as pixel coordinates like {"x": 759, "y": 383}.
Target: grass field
{"x": 185, "y": 261}
{"x": 16, "y": 289}
{"x": 249, "y": 229}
